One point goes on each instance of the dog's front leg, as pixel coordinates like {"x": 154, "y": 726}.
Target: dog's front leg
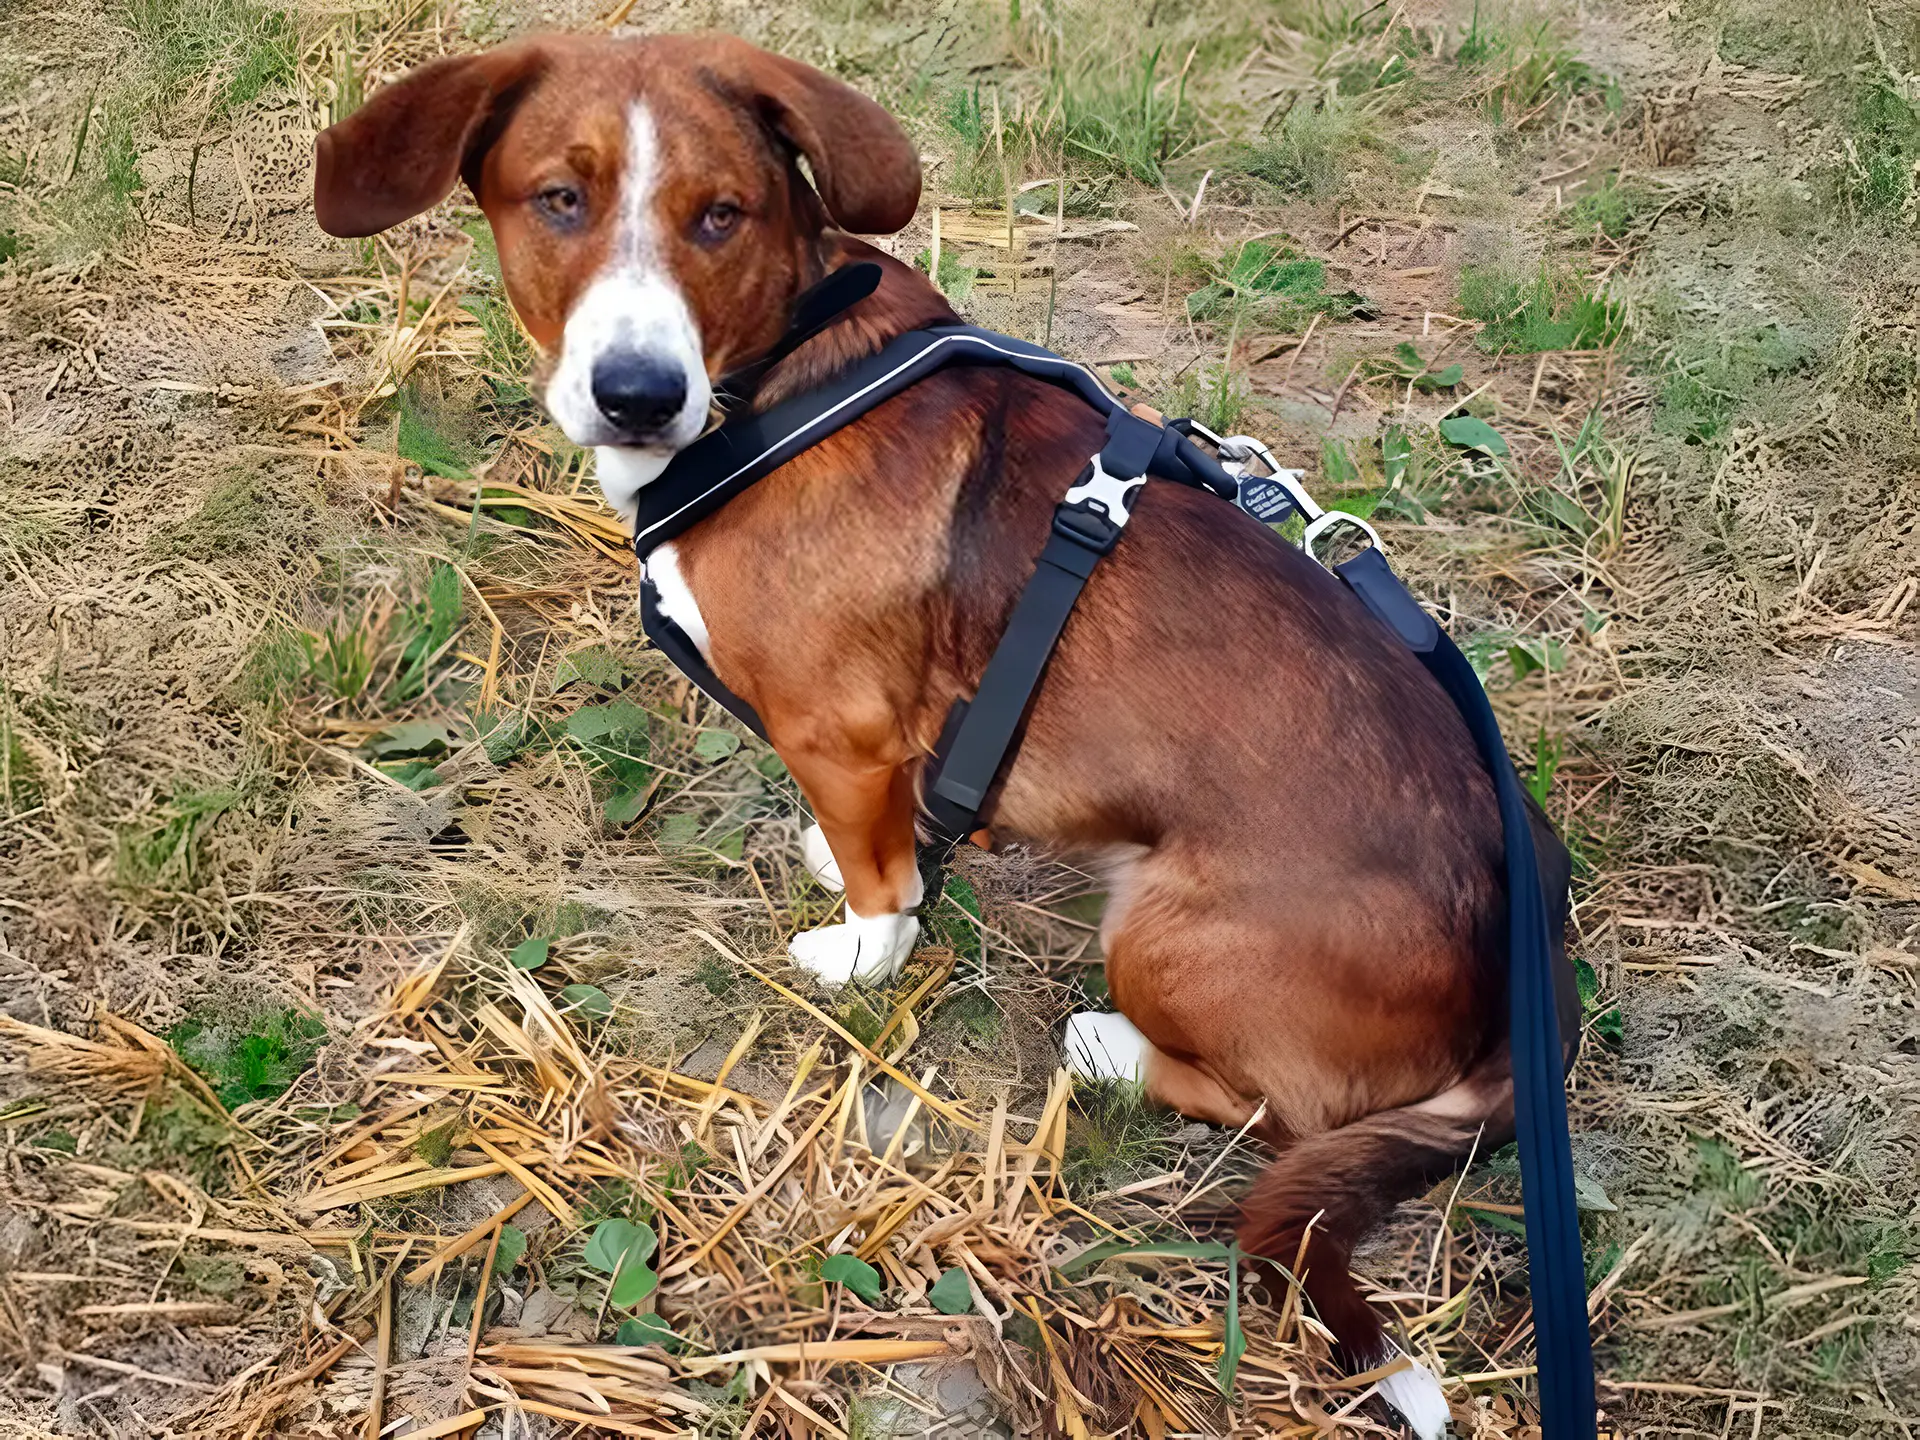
{"x": 866, "y": 816}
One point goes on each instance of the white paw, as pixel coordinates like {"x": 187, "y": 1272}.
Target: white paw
{"x": 1105, "y": 1047}
{"x": 1415, "y": 1393}
{"x": 818, "y": 858}
{"x": 859, "y": 949}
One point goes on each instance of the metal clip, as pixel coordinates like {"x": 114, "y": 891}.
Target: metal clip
{"x": 1112, "y": 496}
{"x": 1328, "y": 520}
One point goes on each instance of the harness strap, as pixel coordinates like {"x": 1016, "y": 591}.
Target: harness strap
{"x": 1086, "y": 526}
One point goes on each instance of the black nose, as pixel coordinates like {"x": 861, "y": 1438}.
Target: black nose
{"x": 638, "y": 393}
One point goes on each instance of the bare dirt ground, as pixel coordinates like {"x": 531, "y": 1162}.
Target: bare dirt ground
{"x": 396, "y": 1021}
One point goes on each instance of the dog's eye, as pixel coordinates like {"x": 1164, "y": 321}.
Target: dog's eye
{"x": 719, "y": 220}
{"x": 561, "y": 202}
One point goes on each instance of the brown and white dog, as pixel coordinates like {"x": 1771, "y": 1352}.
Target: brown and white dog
{"x": 1307, "y": 904}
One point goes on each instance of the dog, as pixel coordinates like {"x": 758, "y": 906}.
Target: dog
{"x": 1306, "y": 929}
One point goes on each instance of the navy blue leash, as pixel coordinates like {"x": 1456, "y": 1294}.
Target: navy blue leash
{"x": 1556, "y": 1264}
{"x": 981, "y": 734}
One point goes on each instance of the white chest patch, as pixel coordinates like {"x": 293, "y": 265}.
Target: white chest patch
{"x": 676, "y": 600}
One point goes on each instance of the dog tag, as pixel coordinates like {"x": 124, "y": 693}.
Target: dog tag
{"x": 1266, "y": 500}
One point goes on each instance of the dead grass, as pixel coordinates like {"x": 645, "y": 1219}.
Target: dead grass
{"x": 321, "y": 695}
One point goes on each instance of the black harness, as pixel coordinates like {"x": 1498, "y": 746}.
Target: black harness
{"x": 980, "y": 734}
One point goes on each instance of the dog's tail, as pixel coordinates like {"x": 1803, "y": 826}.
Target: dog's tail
{"x": 1327, "y": 1191}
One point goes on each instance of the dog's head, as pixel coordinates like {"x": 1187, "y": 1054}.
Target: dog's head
{"x": 652, "y": 220}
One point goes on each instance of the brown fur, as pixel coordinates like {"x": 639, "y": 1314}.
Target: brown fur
{"x": 1316, "y": 918}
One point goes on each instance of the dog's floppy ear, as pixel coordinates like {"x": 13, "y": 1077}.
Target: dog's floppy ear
{"x": 863, "y": 164}
{"x": 402, "y": 151}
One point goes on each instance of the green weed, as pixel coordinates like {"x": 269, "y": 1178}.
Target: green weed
{"x": 181, "y": 1134}
{"x": 1106, "y": 116}
{"x": 954, "y": 280}
{"x": 1214, "y": 394}
{"x": 20, "y": 784}
{"x": 339, "y": 659}
{"x": 430, "y": 626}
{"x": 423, "y": 439}
{"x": 256, "y": 1058}
{"x": 1605, "y": 209}
{"x": 1548, "y": 310}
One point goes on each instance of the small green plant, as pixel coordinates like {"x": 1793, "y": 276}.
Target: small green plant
{"x": 1546, "y": 764}
{"x": 339, "y": 659}
{"x": 1406, "y": 364}
{"x": 256, "y": 1058}
{"x": 1607, "y": 208}
{"x": 1719, "y": 1173}
{"x": 432, "y": 624}
{"x": 1212, "y": 393}
{"x": 854, "y": 1273}
{"x": 422, "y": 439}
{"x": 614, "y": 735}
{"x": 620, "y": 1250}
{"x": 955, "y": 280}
{"x": 1261, "y": 284}
{"x": 1548, "y": 310}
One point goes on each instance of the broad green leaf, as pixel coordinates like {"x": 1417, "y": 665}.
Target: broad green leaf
{"x": 854, "y": 1273}
{"x": 716, "y": 744}
{"x": 646, "y": 1330}
{"x": 611, "y": 717}
{"x": 1523, "y": 663}
{"x": 950, "y": 1294}
{"x": 677, "y": 832}
{"x": 633, "y": 1284}
{"x": 1472, "y": 433}
{"x": 771, "y": 766}
{"x": 623, "y": 807}
{"x": 1588, "y": 1195}
{"x": 414, "y": 774}
{"x": 1587, "y": 980}
{"x": 1395, "y": 451}
{"x": 411, "y": 737}
{"x": 616, "y": 1240}
{"x": 731, "y": 846}
{"x": 531, "y": 954}
{"x": 588, "y": 1000}
{"x": 596, "y": 665}
{"x": 513, "y": 1244}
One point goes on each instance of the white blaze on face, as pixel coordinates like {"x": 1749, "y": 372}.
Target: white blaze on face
{"x": 633, "y": 311}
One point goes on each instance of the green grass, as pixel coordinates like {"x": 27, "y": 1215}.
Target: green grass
{"x": 1549, "y": 309}
{"x": 255, "y": 1058}
{"x": 238, "y": 47}
{"x": 1305, "y": 155}
{"x": 1272, "y": 286}
{"x": 1607, "y": 208}
{"x": 167, "y": 851}
{"x": 1104, "y": 115}
{"x": 1882, "y": 144}
{"x": 1114, "y": 1134}
{"x": 1710, "y": 379}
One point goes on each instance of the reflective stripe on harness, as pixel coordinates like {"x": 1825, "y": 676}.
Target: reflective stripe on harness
{"x": 981, "y": 734}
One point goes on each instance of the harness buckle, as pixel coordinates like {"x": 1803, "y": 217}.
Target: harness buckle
{"x": 1329, "y": 521}
{"x": 1097, "y": 508}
